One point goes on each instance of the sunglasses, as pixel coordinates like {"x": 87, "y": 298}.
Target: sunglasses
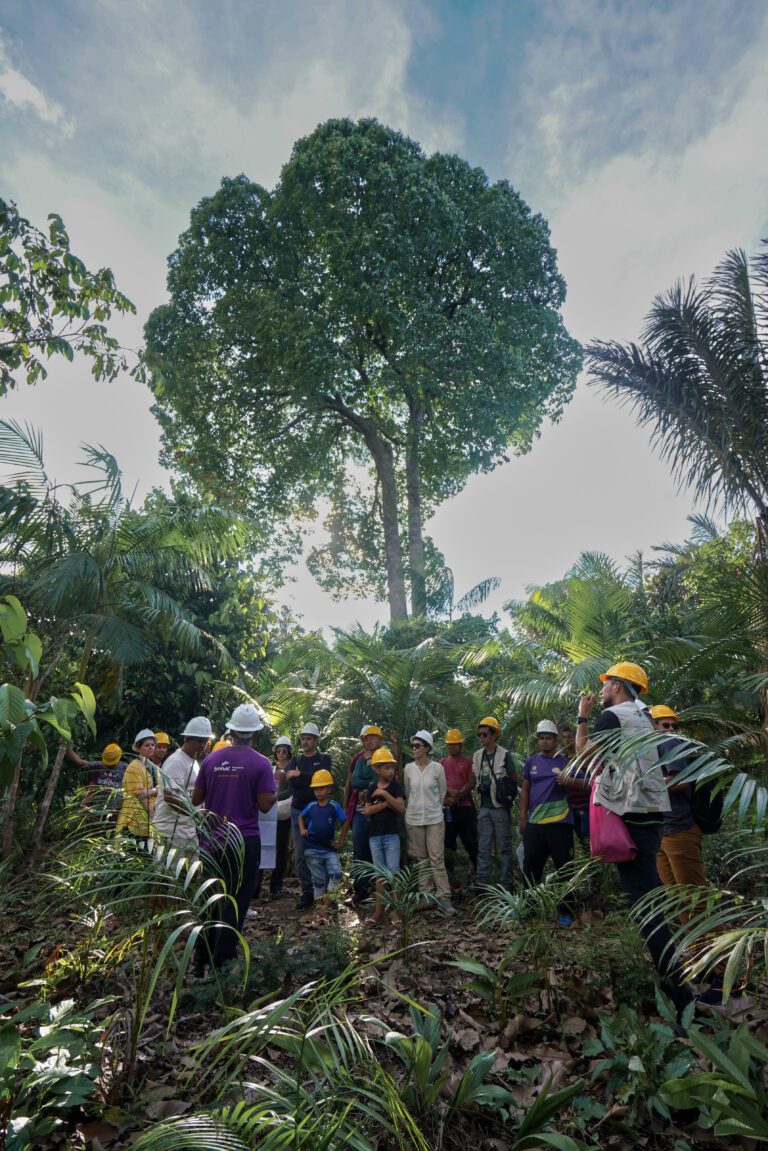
{"x": 417, "y": 744}
{"x": 668, "y": 725}
{"x": 545, "y": 735}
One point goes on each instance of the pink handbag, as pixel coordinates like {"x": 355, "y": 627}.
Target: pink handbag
{"x": 609, "y": 838}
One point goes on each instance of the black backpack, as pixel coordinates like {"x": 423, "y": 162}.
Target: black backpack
{"x": 707, "y": 805}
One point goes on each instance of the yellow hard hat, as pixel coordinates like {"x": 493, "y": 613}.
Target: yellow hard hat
{"x": 382, "y": 755}
{"x": 661, "y": 711}
{"x": 322, "y": 778}
{"x": 162, "y": 737}
{"x": 453, "y": 735}
{"x": 372, "y": 729}
{"x": 489, "y": 721}
{"x": 631, "y": 672}
{"x": 111, "y": 754}
{"x": 221, "y": 743}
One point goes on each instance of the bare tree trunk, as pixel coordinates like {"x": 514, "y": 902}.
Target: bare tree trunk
{"x": 415, "y": 525}
{"x": 9, "y": 808}
{"x": 393, "y": 549}
{"x": 45, "y": 806}
{"x": 384, "y": 462}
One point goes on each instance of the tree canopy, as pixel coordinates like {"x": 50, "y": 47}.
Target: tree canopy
{"x": 379, "y": 311}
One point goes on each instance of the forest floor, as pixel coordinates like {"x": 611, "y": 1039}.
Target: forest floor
{"x": 590, "y": 1015}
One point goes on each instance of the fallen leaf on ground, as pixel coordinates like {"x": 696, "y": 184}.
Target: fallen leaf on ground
{"x": 574, "y": 1025}
{"x": 468, "y": 1039}
{"x": 167, "y": 1108}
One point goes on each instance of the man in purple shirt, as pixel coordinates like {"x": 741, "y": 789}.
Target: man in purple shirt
{"x": 235, "y": 783}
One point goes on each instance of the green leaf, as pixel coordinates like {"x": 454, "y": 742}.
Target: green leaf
{"x": 12, "y": 705}
{"x": 10, "y": 1046}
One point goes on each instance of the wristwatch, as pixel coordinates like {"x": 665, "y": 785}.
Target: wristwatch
{"x": 582, "y": 719}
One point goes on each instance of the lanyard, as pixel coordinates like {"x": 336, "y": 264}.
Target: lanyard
{"x": 490, "y": 760}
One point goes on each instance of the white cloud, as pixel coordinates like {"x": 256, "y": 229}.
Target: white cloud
{"x": 20, "y": 93}
{"x": 631, "y": 228}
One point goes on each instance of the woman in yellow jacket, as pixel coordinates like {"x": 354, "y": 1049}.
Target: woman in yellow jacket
{"x": 139, "y": 790}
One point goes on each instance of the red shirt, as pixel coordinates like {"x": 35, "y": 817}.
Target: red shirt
{"x": 458, "y": 773}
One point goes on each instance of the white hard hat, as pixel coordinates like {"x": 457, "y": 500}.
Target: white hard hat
{"x": 245, "y": 719}
{"x": 310, "y": 729}
{"x": 425, "y": 737}
{"x": 145, "y": 733}
{"x": 199, "y": 727}
{"x": 283, "y": 741}
{"x": 547, "y": 727}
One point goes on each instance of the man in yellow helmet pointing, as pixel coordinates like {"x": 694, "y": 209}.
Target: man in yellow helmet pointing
{"x": 631, "y": 784}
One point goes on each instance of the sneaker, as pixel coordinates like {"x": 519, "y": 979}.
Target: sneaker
{"x": 251, "y": 913}
{"x": 446, "y": 907}
{"x": 278, "y": 894}
{"x": 565, "y": 921}
{"x": 306, "y": 901}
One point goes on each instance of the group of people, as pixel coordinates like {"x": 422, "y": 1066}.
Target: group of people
{"x": 437, "y": 803}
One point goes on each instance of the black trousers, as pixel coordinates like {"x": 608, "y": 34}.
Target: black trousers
{"x": 238, "y": 867}
{"x": 543, "y": 841}
{"x": 462, "y": 826}
{"x": 637, "y": 878}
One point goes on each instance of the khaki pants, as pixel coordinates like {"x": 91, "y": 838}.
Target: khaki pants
{"x": 428, "y": 843}
{"x": 679, "y": 860}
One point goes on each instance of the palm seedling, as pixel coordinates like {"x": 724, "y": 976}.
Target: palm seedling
{"x": 531, "y": 913}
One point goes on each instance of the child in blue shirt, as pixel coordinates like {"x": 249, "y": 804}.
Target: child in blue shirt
{"x": 317, "y": 824}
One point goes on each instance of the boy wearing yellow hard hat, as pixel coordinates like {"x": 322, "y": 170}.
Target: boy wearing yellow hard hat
{"x": 318, "y": 824}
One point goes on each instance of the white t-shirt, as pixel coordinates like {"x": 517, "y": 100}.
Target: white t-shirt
{"x": 176, "y": 777}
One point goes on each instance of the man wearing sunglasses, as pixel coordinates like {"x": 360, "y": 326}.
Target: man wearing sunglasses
{"x": 494, "y": 771}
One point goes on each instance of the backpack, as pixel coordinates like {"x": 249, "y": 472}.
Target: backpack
{"x": 707, "y": 805}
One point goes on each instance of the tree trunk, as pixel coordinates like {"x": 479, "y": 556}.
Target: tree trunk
{"x": 45, "y": 806}
{"x": 415, "y": 524}
{"x": 9, "y": 808}
{"x": 384, "y": 462}
{"x": 383, "y": 459}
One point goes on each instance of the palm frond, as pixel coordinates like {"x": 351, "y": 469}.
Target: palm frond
{"x": 21, "y": 447}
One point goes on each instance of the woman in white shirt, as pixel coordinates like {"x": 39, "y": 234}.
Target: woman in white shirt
{"x": 425, "y": 789}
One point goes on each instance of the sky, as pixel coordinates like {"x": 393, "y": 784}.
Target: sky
{"x": 637, "y": 127}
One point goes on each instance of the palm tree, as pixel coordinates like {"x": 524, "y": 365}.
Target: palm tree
{"x": 700, "y": 382}
{"x": 99, "y": 578}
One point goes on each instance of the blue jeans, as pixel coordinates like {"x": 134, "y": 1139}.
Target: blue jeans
{"x": 302, "y": 867}
{"x": 385, "y": 851}
{"x": 361, "y": 851}
{"x": 325, "y": 868}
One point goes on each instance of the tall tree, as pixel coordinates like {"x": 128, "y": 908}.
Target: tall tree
{"x": 379, "y": 309}
{"x": 700, "y": 382}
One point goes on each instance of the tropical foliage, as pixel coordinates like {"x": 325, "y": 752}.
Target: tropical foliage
{"x": 50, "y": 304}
{"x": 699, "y": 380}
